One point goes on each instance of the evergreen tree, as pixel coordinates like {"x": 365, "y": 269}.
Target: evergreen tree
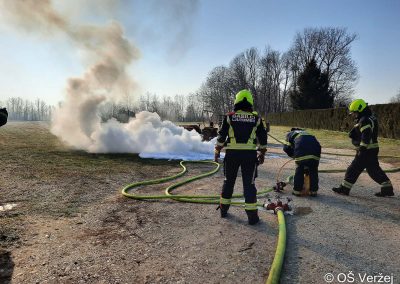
{"x": 313, "y": 89}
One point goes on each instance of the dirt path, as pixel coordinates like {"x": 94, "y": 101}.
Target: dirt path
{"x": 71, "y": 225}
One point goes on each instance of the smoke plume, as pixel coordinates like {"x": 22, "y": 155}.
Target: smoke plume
{"x": 77, "y": 121}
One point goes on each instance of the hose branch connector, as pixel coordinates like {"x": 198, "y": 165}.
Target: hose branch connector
{"x": 278, "y": 205}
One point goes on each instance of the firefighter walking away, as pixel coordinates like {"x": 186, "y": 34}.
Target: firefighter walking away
{"x": 239, "y": 134}
{"x": 364, "y": 136}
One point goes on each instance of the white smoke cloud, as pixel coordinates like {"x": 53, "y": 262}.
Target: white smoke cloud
{"x": 148, "y": 135}
{"x": 77, "y": 121}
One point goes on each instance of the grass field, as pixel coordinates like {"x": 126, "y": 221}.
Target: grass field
{"x": 33, "y": 155}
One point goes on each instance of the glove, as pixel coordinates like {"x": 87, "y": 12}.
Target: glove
{"x": 261, "y": 156}
{"x": 353, "y": 133}
{"x": 217, "y": 152}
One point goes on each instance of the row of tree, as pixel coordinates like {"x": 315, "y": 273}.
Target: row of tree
{"x": 20, "y": 109}
{"x": 316, "y": 72}
{"x": 178, "y": 108}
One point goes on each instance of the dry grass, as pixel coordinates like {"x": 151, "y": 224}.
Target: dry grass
{"x": 30, "y": 154}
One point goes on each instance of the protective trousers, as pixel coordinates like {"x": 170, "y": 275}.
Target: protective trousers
{"x": 367, "y": 159}
{"x": 247, "y": 161}
{"x": 306, "y": 165}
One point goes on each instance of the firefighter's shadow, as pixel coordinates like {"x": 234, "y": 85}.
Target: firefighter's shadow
{"x": 6, "y": 267}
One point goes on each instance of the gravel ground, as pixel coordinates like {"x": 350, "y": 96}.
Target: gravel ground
{"x": 71, "y": 225}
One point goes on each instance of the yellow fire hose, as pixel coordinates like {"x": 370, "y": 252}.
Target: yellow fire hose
{"x": 276, "y": 267}
{"x": 206, "y": 199}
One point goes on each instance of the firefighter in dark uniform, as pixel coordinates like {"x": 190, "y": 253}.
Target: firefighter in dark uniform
{"x": 306, "y": 151}
{"x": 3, "y": 116}
{"x": 364, "y": 136}
{"x": 239, "y": 134}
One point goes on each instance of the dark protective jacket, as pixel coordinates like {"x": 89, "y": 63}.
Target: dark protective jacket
{"x": 365, "y": 133}
{"x": 242, "y": 130}
{"x": 3, "y": 116}
{"x": 301, "y": 146}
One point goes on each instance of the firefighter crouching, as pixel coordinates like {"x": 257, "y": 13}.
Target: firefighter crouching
{"x": 306, "y": 151}
{"x": 239, "y": 134}
{"x": 364, "y": 136}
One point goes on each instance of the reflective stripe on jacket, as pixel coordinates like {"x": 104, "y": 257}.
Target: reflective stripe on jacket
{"x": 367, "y": 131}
{"x": 301, "y": 146}
{"x": 242, "y": 130}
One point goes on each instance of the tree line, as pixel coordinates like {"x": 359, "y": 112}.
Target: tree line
{"x": 179, "y": 108}
{"x": 316, "y": 72}
{"x": 20, "y": 109}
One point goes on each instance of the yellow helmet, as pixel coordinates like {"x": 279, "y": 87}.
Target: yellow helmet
{"x": 357, "y": 105}
{"x": 244, "y": 94}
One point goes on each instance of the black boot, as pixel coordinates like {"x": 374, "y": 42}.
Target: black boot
{"x": 341, "y": 190}
{"x": 252, "y": 216}
{"x": 385, "y": 191}
{"x": 224, "y": 210}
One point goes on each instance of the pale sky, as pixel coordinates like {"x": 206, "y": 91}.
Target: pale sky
{"x": 176, "y": 54}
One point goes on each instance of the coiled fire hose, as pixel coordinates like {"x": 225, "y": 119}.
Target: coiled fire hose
{"x": 276, "y": 267}
{"x": 206, "y": 199}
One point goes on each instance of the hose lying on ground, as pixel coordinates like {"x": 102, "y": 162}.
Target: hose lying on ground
{"x": 277, "y": 263}
{"x": 206, "y": 199}
{"x": 276, "y": 267}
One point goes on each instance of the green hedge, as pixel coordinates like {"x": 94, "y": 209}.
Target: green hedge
{"x": 338, "y": 119}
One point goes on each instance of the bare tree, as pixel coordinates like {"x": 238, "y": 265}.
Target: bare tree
{"x": 331, "y": 49}
{"x": 287, "y": 80}
{"x": 252, "y": 59}
{"x": 194, "y": 108}
{"x": 237, "y": 72}
{"x": 218, "y": 91}
{"x": 273, "y": 82}
{"x": 20, "y": 109}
